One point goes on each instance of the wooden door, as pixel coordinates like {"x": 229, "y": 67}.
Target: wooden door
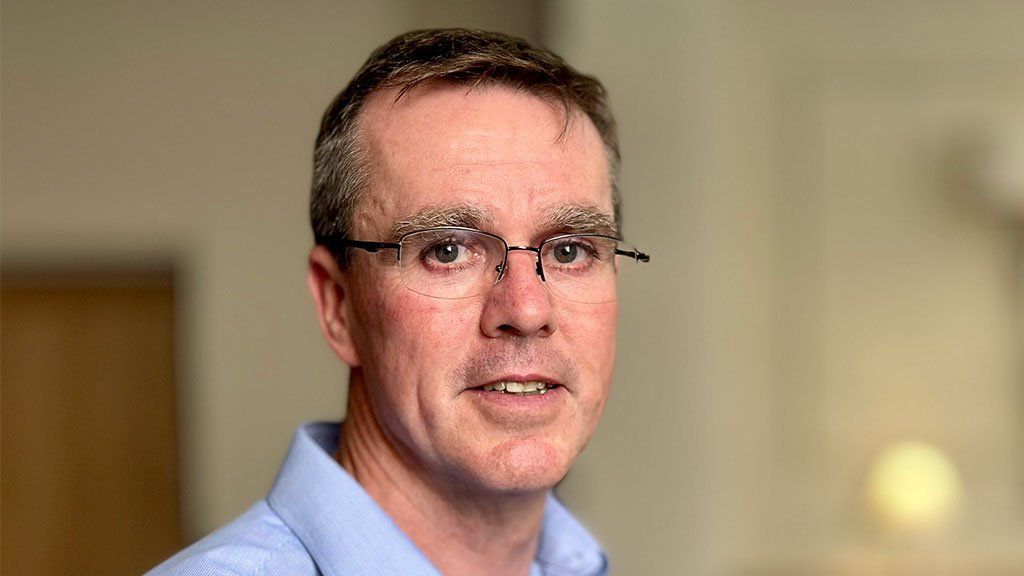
{"x": 89, "y": 448}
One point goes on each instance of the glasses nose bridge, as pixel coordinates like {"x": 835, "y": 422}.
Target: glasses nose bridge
{"x": 503, "y": 267}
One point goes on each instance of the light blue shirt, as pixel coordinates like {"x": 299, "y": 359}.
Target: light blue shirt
{"x": 318, "y": 520}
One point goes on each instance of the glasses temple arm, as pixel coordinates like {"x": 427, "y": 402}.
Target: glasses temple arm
{"x": 634, "y": 254}
{"x": 361, "y": 244}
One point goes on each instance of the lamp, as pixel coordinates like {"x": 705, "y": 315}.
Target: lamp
{"x": 913, "y": 487}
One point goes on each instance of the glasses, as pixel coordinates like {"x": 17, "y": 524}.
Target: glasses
{"x": 454, "y": 262}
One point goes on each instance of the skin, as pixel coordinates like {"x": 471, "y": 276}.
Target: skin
{"x": 463, "y": 474}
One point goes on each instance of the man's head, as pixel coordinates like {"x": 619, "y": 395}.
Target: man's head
{"x": 482, "y": 131}
{"x": 342, "y": 166}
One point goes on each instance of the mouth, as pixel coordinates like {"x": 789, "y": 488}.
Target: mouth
{"x": 519, "y": 387}
{"x": 520, "y": 399}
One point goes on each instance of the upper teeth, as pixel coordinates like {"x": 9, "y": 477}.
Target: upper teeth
{"x": 531, "y": 387}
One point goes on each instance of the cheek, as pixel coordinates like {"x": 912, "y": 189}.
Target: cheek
{"x": 429, "y": 330}
{"x": 589, "y": 332}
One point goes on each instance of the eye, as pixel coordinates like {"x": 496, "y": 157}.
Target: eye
{"x": 573, "y": 252}
{"x": 452, "y": 250}
{"x": 447, "y": 250}
{"x": 567, "y": 253}
{"x": 446, "y": 253}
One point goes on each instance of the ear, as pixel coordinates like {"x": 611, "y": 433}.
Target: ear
{"x": 329, "y": 287}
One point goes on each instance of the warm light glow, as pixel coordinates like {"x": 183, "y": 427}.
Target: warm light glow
{"x": 914, "y": 486}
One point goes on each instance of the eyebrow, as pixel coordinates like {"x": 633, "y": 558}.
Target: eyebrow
{"x": 463, "y": 215}
{"x": 563, "y": 219}
{"x": 581, "y": 219}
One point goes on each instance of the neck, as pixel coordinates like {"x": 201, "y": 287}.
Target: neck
{"x": 462, "y": 531}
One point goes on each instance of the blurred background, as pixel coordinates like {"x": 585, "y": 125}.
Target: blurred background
{"x": 821, "y": 373}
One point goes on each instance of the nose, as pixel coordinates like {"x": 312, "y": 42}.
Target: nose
{"x": 519, "y": 304}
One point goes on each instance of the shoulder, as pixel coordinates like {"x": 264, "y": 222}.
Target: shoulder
{"x": 257, "y": 543}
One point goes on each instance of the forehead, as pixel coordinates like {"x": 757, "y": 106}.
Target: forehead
{"x": 511, "y": 154}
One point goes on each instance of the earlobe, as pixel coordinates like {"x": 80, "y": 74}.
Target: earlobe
{"x": 327, "y": 284}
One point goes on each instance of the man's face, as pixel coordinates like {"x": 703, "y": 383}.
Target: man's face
{"x": 503, "y": 155}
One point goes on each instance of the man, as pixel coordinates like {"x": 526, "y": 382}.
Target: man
{"x": 465, "y": 211}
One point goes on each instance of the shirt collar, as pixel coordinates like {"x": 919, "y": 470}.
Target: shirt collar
{"x": 347, "y": 532}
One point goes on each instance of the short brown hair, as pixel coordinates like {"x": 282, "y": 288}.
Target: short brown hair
{"x": 341, "y": 163}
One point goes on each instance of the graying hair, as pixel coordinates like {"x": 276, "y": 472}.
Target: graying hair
{"x": 341, "y": 161}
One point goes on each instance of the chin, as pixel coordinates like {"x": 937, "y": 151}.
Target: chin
{"x": 526, "y": 465}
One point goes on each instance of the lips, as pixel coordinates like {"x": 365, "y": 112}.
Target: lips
{"x": 523, "y": 388}
{"x": 520, "y": 385}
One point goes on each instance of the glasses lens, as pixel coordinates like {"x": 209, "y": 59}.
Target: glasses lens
{"x": 581, "y": 267}
{"x": 450, "y": 262}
